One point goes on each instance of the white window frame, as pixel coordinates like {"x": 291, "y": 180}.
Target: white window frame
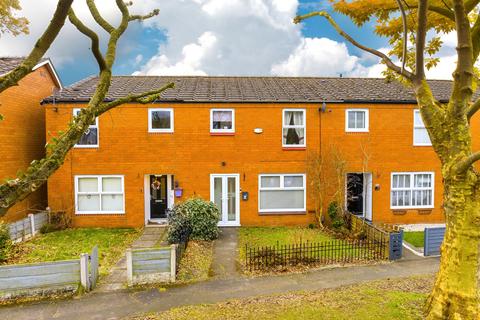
{"x": 212, "y": 130}
{"x": 86, "y": 146}
{"x": 411, "y": 188}
{"x": 282, "y": 187}
{"x": 367, "y": 121}
{"x": 284, "y": 126}
{"x": 156, "y": 130}
{"x": 100, "y": 193}
{"x": 419, "y": 127}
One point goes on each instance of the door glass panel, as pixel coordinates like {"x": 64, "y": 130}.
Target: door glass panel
{"x": 217, "y": 197}
{"x": 232, "y": 199}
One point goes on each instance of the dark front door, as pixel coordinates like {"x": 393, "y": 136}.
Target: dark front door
{"x": 158, "y": 197}
{"x": 355, "y": 193}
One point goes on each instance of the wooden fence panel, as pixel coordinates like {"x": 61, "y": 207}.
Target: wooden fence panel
{"x": 433, "y": 241}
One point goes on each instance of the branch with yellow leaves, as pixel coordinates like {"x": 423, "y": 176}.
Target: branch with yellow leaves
{"x": 388, "y": 62}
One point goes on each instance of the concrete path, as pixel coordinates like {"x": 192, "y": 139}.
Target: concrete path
{"x": 120, "y": 304}
{"x": 225, "y": 254}
{"x": 117, "y": 278}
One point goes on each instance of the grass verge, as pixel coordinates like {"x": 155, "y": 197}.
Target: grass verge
{"x": 70, "y": 243}
{"x": 415, "y": 238}
{"x": 196, "y": 262}
{"x": 386, "y": 299}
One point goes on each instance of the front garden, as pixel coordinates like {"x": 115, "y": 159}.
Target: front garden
{"x": 70, "y": 243}
{"x": 415, "y": 238}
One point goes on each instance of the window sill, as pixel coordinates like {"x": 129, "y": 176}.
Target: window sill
{"x": 359, "y": 131}
{"x": 161, "y": 132}
{"x": 282, "y": 213}
{"x": 99, "y": 214}
{"x": 294, "y": 148}
{"x": 222, "y": 133}
{"x": 85, "y": 147}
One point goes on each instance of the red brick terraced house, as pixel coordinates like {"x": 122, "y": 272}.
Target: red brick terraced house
{"x": 244, "y": 143}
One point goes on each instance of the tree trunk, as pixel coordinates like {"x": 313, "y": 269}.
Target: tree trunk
{"x": 455, "y": 294}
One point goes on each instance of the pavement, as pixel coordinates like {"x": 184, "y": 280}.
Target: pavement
{"x": 117, "y": 279}
{"x": 121, "y": 304}
{"x": 225, "y": 253}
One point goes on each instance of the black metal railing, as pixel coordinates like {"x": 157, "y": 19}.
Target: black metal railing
{"x": 315, "y": 253}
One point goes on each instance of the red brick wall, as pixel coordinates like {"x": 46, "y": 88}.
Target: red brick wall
{"x": 191, "y": 153}
{"x": 22, "y": 133}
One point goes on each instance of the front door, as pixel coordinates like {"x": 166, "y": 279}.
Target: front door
{"x": 224, "y": 192}
{"x": 158, "y": 197}
{"x": 359, "y": 194}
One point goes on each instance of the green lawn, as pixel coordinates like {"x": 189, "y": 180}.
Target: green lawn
{"x": 70, "y": 243}
{"x": 196, "y": 262}
{"x": 270, "y": 236}
{"x": 388, "y": 299}
{"x": 415, "y": 238}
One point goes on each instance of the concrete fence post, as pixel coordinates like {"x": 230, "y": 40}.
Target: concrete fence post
{"x": 173, "y": 262}
{"x": 84, "y": 278}
{"x": 129, "y": 267}
{"x": 31, "y": 217}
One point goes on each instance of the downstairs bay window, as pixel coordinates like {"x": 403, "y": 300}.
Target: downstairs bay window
{"x": 412, "y": 190}
{"x": 99, "y": 195}
{"x": 281, "y": 193}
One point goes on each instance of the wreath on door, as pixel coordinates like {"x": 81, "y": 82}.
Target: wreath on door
{"x": 156, "y": 185}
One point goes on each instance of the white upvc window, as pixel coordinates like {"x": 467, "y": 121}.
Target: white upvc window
{"x": 160, "y": 120}
{"x": 90, "y": 138}
{"x": 356, "y": 120}
{"x": 420, "y": 133}
{"x": 412, "y": 190}
{"x": 294, "y": 128}
{"x": 99, "y": 195}
{"x": 281, "y": 193}
{"x": 222, "y": 120}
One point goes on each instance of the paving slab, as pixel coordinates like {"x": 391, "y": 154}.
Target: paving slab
{"x": 225, "y": 253}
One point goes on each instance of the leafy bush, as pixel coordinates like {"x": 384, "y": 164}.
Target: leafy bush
{"x": 194, "y": 219}
{"x": 5, "y": 242}
{"x": 335, "y": 216}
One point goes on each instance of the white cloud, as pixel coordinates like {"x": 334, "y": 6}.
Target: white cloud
{"x": 319, "y": 56}
{"x": 193, "y": 55}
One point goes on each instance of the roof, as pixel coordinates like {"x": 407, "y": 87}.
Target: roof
{"x": 7, "y": 64}
{"x": 255, "y": 89}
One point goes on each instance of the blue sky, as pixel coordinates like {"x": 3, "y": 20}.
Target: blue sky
{"x": 211, "y": 37}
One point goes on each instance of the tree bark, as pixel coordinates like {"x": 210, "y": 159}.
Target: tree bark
{"x": 456, "y": 289}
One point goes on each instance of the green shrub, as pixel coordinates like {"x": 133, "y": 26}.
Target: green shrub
{"x": 335, "y": 216}
{"x": 5, "y": 242}
{"x": 195, "y": 219}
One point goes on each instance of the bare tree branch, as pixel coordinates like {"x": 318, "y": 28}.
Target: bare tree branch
{"x": 473, "y": 109}
{"x": 405, "y": 33}
{"x": 464, "y": 165}
{"x": 147, "y": 16}
{"x": 93, "y": 37}
{"x": 463, "y": 75}
{"x": 98, "y": 17}
{"x": 407, "y": 74}
{"x": 41, "y": 46}
{"x": 420, "y": 40}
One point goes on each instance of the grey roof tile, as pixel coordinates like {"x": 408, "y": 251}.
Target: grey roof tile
{"x": 255, "y": 89}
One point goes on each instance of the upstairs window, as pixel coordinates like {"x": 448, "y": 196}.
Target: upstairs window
{"x": 222, "y": 121}
{"x": 160, "y": 120}
{"x": 90, "y": 137}
{"x": 356, "y": 120}
{"x": 412, "y": 190}
{"x": 420, "y": 133}
{"x": 293, "y": 130}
